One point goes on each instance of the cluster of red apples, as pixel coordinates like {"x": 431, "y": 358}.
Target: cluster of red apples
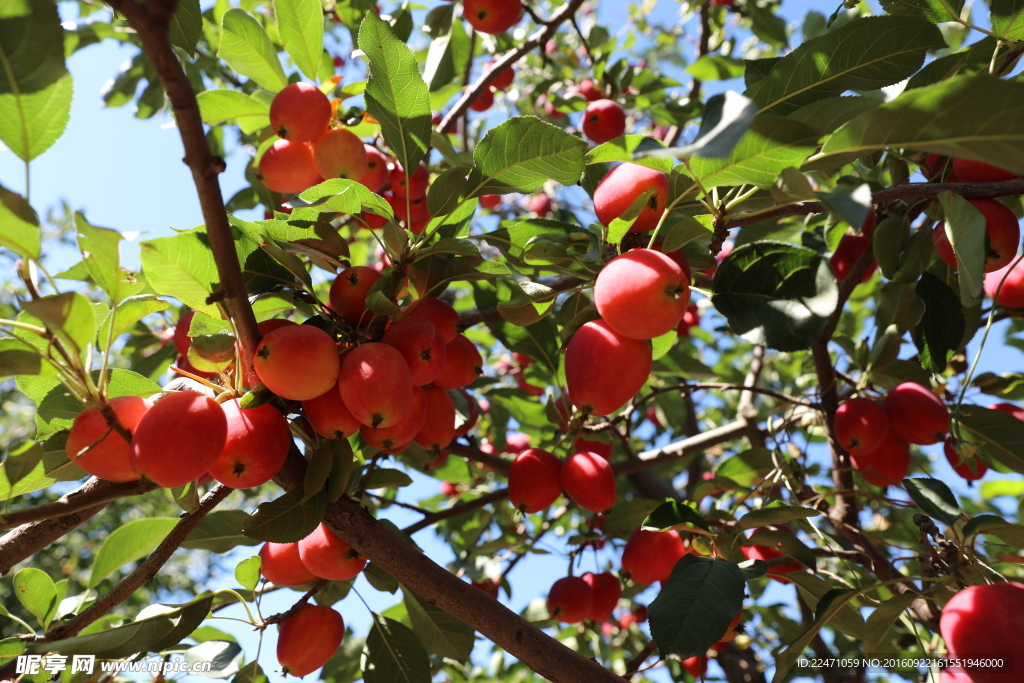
{"x": 877, "y": 435}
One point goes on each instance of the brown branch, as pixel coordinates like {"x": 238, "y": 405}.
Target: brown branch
{"x": 293, "y": 610}
{"x": 456, "y": 510}
{"x": 703, "y": 47}
{"x": 151, "y": 21}
{"x": 1000, "y": 188}
{"x": 681, "y": 449}
{"x": 539, "y": 38}
{"x": 541, "y": 653}
{"x": 634, "y": 664}
{"x": 496, "y": 463}
{"x": 144, "y": 573}
{"x": 80, "y": 499}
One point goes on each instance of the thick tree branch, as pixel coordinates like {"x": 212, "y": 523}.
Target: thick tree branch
{"x": 441, "y": 588}
{"x": 80, "y": 499}
{"x": 539, "y": 38}
{"x": 144, "y": 573}
{"x": 151, "y": 21}
{"x": 1001, "y": 188}
{"x": 681, "y": 449}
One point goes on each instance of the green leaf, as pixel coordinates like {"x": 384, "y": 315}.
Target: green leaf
{"x": 99, "y": 247}
{"x": 673, "y": 514}
{"x": 1008, "y": 19}
{"x": 252, "y": 114}
{"x": 775, "y": 513}
{"x": 747, "y": 468}
{"x": 394, "y": 654}
{"x": 1002, "y": 487}
{"x": 693, "y": 610}
{"x": 522, "y": 154}
{"x": 932, "y": 10}
{"x": 36, "y": 592}
{"x": 941, "y": 331}
{"x": 386, "y": 478}
{"x": 69, "y": 316}
{"x": 784, "y": 542}
{"x": 35, "y": 87}
{"x": 529, "y": 303}
{"x": 882, "y": 619}
{"x": 247, "y": 49}
{"x": 867, "y": 54}
{"x": 287, "y": 519}
{"x": 127, "y": 543}
{"x": 18, "y": 358}
{"x": 727, "y": 118}
{"x": 19, "y": 225}
{"x": 247, "y": 572}
{"x": 716, "y": 68}
{"x": 956, "y": 125}
{"x": 995, "y": 526}
{"x": 628, "y": 148}
{"x": 440, "y": 632}
{"x": 300, "y": 24}
{"x": 129, "y": 312}
{"x": 850, "y": 204}
{"x": 753, "y": 569}
{"x": 828, "y": 114}
{"x": 627, "y": 515}
{"x": 182, "y": 266}
{"x": 934, "y": 498}
{"x": 777, "y": 294}
{"x": 321, "y": 461}
{"x": 186, "y": 26}
{"x": 965, "y": 229}
{"x": 395, "y": 92}
{"x": 219, "y": 532}
{"x": 771, "y": 145}
{"x": 999, "y": 435}
{"x": 446, "y": 190}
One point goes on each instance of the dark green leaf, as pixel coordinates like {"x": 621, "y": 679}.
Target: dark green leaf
{"x": 19, "y": 225}
{"x": 219, "y": 532}
{"x": 287, "y": 519}
{"x": 522, "y": 154}
{"x": 674, "y": 515}
{"x": 775, "y": 513}
{"x": 693, "y": 610}
{"x": 1008, "y": 19}
{"x": 1000, "y": 435}
{"x": 828, "y": 114}
{"x": 932, "y": 10}
{"x": 186, "y": 26}
{"x": 934, "y": 498}
{"x": 940, "y": 333}
{"x": 439, "y": 631}
{"x": 127, "y": 543}
{"x": 753, "y": 569}
{"x": 965, "y": 229}
{"x": 394, "y": 654}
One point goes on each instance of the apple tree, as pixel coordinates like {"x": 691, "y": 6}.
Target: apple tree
{"x": 691, "y": 293}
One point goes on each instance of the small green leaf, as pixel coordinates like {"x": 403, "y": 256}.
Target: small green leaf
{"x": 628, "y": 148}
{"x": 941, "y": 331}
{"x": 219, "y": 532}
{"x": 321, "y": 460}
{"x": 300, "y": 24}
{"x": 999, "y": 435}
{"x": 851, "y": 204}
{"x": 186, "y": 26}
{"x": 882, "y": 619}
{"x": 36, "y": 592}
{"x": 776, "y": 513}
{"x": 127, "y": 543}
{"x": 394, "y": 654}
{"x": 216, "y": 107}
{"x": 965, "y": 229}
{"x": 247, "y": 49}
{"x": 675, "y": 515}
{"x": 19, "y": 225}
{"x": 247, "y": 572}
{"x": 522, "y": 154}
{"x": 934, "y": 498}
{"x": 69, "y": 315}
{"x": 440, "y": 632}
{"x": 287, "y": 519}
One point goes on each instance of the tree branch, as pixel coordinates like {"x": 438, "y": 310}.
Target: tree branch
{"x": 151, "y": 21}
{"x": 456, "y": 510}
{"x": 496, "y": 463}
{"x": 80, "y": 499}
{"x": 681, "y": 449}
{"x": 539, "y": 38}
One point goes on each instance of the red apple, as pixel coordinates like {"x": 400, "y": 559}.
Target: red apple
{"x": 256, "y": 447}
{"x": 281, "y": 564}
{"x": 376, "y": 169}
{"x": 650, "y": 556}
{"x": 414, "y": 186}
{"x": 339, "y": 153}
{"x": 329, "y": 557}
{"x": 533, "y": 480}
{"x": 963, "y": 467}
{"x": 849, "y": 251}
{"x": 916, "y": 415}
{"x": 462, "y": 364}
{"x": 887, "y": 465}
{"x": 439, "y": 313}
{"x": 1012, "y": 293}
{"x": 348, "y": 294}
{"x": 329, "y": 415}
{"x": 603, "y": 369}
{"x": 570, "y": 600}
{"x": 607, "y": 590}
{"x": 297, "y": 362}
{"x": 306, "y": 641}
{"x": 622, "y": 185}
{"x": 300, "y": 113}
{"x": 375, "y": 384}
{"x": 603, "y": 120}
{"x": 492, "y": 16}
{"x": 99, "y": 450}
{"x": 861, "y": 424}
{"x": 288, "y": 167}
{"x": 1002, "y": 236}
{"x": 422, "y": 346}
{"x": 438, "y": 428}
{"x": 395, "y": 438}
{"x": 179, "y": 438}
{"x": 642, "y": 294}
{"x": 588, "y": 480}
{"x": 971, "y": 171}
{"x": 985, "y": 619}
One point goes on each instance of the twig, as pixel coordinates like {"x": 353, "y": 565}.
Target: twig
{"x": 456, "y": 510}
{"x": 634, "y": 664}
{"x": 293, "y": 610}
{"x": 76, "y": 501}
{"x": 496, "y": 463}
{"x": 540, "y": 37}
{"x": 681, "y": 449}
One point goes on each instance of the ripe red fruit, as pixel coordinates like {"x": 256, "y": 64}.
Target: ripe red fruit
{"x": 288, "y": 167}
{"x": 297, "y": 362}
{"x": 603, "y": 449}
{"x": 985, "y": 619}
{"x": 722, "y": 3}
{"x": 642, "y": 294}
{"x": 300, "y": 113}
{"x": 282, "y": 565}
{"x": 849, "y": 251}
{"x": 395, "y": 438}
{"x": 971, "y": 171}
{"x": 439, "y": 313}
{"x": 348, "y": 293}
{"x": 483, "y": 101}
{"x": 607, "y": 591}
{"x": 376, "y": 169}
{"x": 622, "y": 185}
{"x": 916, "y": 415}
{"x": 762, "y": 552}
{"x": 650, "y": 555}
{"x": 691, "y": 319}
{"x": 731, "y": 632}
{"x": 887, "y": 465}
{"x": 268, "y": 326}
{"x": 534, "y": 481}
{"x": 179, "y": 438}
{"x": 181, "y": 340}
{"x": 471, "y": 418}
{"x": 462, "y": 364}
{"x": 540, "y": 204}
{"x": 570, "y": 600}
{"x": 306, "y": 641}
{"x": 697, "y": 667}
{"x": 329, "y": 415}
{"x": 415, "y": 186}
{"x": 504, "y": 79}
{"x": 603, "y": 120}
{"x": 490, "y": 201}
{"x": 1012, "y": 293}
{"x": 339, "y": 153}
{"x": 549, "y": 108}
{"x": 516, "y": 443}
{"x": 329, "y": 557}
{"x": 589, "y": 90}
{"x": 492, "y": 16}
{"x": 489, "y": 586}
{"x": 588, "y": 479}
{"x": 1016, "y": 411}
{"x": 964, "y": 466}
{"x": 1002, "y": 236}
{"x": 375, "y": 384}
{"x": 861, "y": 425}
{"x": 438, "y": 428}
{"x": 422, "y": 346}
{"x": 256, "y": 446}
{"x": 603, "y": 369}
{"x": 409, "y": 210}
{"x": 98, "y": 449}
